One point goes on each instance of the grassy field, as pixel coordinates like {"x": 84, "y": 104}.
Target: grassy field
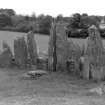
{"x": 42, "y": 40}
{"x": 52, "y": 89}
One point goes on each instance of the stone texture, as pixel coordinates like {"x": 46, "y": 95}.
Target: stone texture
{"x": 94, "y": 53}
{"x": 86, "y": 68}
{"x": 20, "y": 52}
{"x": 61, "y": 46}
{"x": 6, "y": 55}
{"x": 32, "y": 48}
{"x": 52, "y": 48}
{"x": 65, "y": 49}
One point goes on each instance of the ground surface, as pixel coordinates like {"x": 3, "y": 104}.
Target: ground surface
{"x": 52, "y": 89}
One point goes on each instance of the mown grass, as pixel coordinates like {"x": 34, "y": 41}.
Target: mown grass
{"x": 41, "y": 40}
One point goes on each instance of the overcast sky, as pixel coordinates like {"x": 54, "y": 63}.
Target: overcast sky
{"x": 55, "y": 7}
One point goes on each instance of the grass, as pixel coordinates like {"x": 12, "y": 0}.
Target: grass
{"x": 42, "y": 40}
{"x": 52, "y": 89}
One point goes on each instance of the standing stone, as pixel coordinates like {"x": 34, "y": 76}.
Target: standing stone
{"x": 61, "y": 46}
{"x": 20, "y": 52}
{"x": 65, "y": 48}
{"x": 6, "y": 56}
{"x": 52, "y": 60}
{"x": 32, "y": 48}
{"x": 85, "y": 68}
{"x": 94, "y": 54}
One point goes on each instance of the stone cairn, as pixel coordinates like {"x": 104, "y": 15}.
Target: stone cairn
{"x": 6, "y": 56}
{"x": 32, "y": 48}
{"x": 20, "y": 52}
{"x": 94, "y": 63}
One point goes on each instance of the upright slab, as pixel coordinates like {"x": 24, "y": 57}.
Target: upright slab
{"x": 61, "y": 46}
{"x": 6, "y": 55}
{"x": 52, "y": 48}
{"x": 20, "y": 52}
{"x": 65, "y": 49}
{"x": 94, "y": 53}
{"x": 32, "y": 48}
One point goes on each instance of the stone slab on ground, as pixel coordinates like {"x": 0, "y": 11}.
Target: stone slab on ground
{"x": 34, "y": 74}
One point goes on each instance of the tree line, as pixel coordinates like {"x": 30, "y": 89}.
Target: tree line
{"x": 77, "y": 23}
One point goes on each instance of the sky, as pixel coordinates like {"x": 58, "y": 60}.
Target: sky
{"x": 55, "y": 7}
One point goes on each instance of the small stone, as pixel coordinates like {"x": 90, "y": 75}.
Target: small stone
{"x": 97, "y": 90}
{"x": 37, "y": 72}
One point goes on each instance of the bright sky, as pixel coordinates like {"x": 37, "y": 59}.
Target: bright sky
{"x": 55, "y": 7}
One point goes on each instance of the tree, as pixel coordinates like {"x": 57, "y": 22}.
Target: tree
{"x": 45, "y": 24}
{"x": 9, "y": 12}
{"x": 5, "y": 20}
{"x": 75, "y": 21}
{"x": 33, "y": 17}
{"x": 59, "y": 17}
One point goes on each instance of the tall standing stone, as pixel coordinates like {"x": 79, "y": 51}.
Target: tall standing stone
{"x": 64, "y": 49}
{"x": 20, "y": 52}
{"x": 95, "y": 56}
{"x": 32, "y": 48}
{"x": 61, "y": 46}
{"x": 52, "y": 60}
{"x": 6, "y": 55}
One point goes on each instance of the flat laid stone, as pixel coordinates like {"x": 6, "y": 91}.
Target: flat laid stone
{"x": 35, "y": 72}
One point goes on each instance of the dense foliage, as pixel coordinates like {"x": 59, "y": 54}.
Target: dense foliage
{"x": 77, "y": 23}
